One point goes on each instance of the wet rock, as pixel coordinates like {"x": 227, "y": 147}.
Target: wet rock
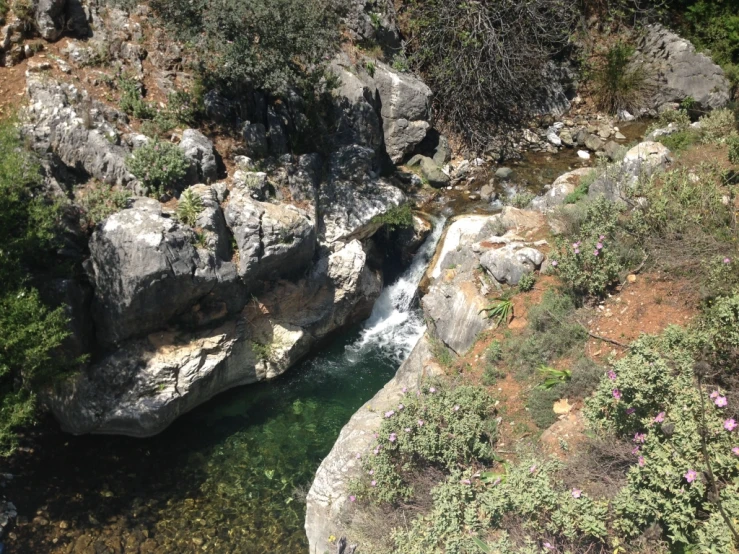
{"x": 504, "y": 173}
{"x": 327, "y": 501}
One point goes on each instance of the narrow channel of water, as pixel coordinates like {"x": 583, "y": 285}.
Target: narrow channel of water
{"x": 229, "y": 476}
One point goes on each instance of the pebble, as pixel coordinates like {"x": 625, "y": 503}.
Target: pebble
{"x": 582, "y": 154}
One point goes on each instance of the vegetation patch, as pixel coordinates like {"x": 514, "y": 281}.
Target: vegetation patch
{"x": 160, "y": 166}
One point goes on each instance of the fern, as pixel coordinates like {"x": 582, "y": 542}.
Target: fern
{"x": 189, "y": 207}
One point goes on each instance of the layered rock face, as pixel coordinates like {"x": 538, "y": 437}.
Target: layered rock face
{"x": 676, "y": 71}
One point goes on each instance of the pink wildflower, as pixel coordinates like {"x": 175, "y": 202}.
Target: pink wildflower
{"x": 405, "y": 390}
{"x": 390, "y": 413}
{"x": 400, "y": 406}
{"x": 352, "y": 498}
{"x": 635, "y": 450}
{"x": 640, "y": 437}
{"x": 735, "y": 450}
{"x": 577, "y": 250}
{"x": 599, "y": 246}
{"x": 393, "y": 437}
{"x": 630, "y": 411}
{"x": 576, "y": 493}
{"x": 641, "y": 461}
{"x": 548, "y": 546}
{"x": 373, "y": 483}
{"x": 690, "y": 475}
{"x": 595, "y": 252}
{"x": 555, "y": 263}
{"x": 720, "y": 401}
{"x": 616, "y": 394}
{"x": 371, "y": 472}
{"x": 532, "y": 469}
{"x": 612, "y": 375}
{"x": 432, "y": 390}
{"x": 727, "y": 260}
{"x": 466, "y": 482}
{"x": 420, "y": 423}
{"x": 660, "y": 417}
{"x": 601, "y": 237}
{"x": 714, "y": 395}
{"x": 407, "y": 429}
{"x": 456, "y": 408}
{"x": 359, "y": 456}
{"x": 730, "y": 424}
{"x": 377, "y": 451}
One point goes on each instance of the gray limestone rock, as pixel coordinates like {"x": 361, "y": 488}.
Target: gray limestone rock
{"x": 49, "y": 18}
{"x": 676, "y": 71}
{"x": 433, "y": 173}
{"x": 255, "y": 138}
{"x": 199, "y": 151}
{"x": 510, "y": 263}
{"x": 272, "y": 239}
{"x": 562, "y": 186}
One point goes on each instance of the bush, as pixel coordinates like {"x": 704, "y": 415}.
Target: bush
{"x": 101, "y": 201}
{"x": 273, "y": 45}
{"x": 493, "y": 356}
{"x": 682, "y": 140}
{"x": 618, "y": 85}
{"x": 440, "y": 427}
{"x": 189, "y": 207}
{"x": 582, "y": 189}
{"x": 473, "y": 513}
{"x": 651, "y": 397}
{"x": 522, "y": 199}
{"x": 733, "y": 143}
{"x": 592, "y": 263}
{"x": 485, "y": 61}
{"x": 551, "y": 332}
{"x": 31, "y": 332}
{"x": 160, "y": 166}
{"x": 527, "y": 282}
{"x": 718, "y": 126}
{"x": 395, "y": 218}
{"x": 132, "y": 101}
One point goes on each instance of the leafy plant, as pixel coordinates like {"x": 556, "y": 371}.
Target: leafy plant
{"x": 733, "y": 143}
{"x": 527, "y": 282}
{"x": 441, "y": 428}
{"x": 618, "y": 84}
{"x": 160, "y": 166}
{"x": 101, "y": 201}
{"x": 189, "y": 207}
{"x": 553, "y": 376}
{"x": 717, "y": 126}
{"x": 583, "y": 186}
{"x": 398, "y": 217}
{"x": 263, "y": 352}
{"x": 501, "y": 311}
{"x": 132, "y": 101}
{"x": 522, "y": 199}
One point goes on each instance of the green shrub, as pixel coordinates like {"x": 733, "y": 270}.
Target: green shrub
{"x": 132, "y": 101}
{"x": 591, "y": 263}
{"x": 717, "y": 126}
{"x": 101, "y": 201}
{"x": 160, "y": 166}
{"x": 540, "y": 404}
{"x": 471, "y": 510}
{"x": 189, "y": 207}
{"x": 551, "y": 332}
{"x": 493, "y": 355}
{"x": 522, "y": 199}
{"x": 30, "y": 331}
{"x": 682, "y": 140}
{"x": 733, "y": 143}
{"x": 240, "y": 44}
{"x": 679, "y": 119}
{"x": 651, "y": 397}
{"x": 618, "y": 84}
{"x": 441, "y": 427}
{"x": 442, "y": 353}
{"x": 720, "y": 326}
{"x": 395, "y": 218}
{"x": 527, "y": 282}
{"x": 485, "y": 61}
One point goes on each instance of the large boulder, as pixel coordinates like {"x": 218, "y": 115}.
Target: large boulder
{"x": 49, "y": 18}
{"x": 327, "y": 500}
{"x": 563, "y": 186}
{"x": 510, "y": 263}
{"x": 272, "y": 239}
{"x": 199, "y": 151}
{"x": 147, "y": 383}
{"x": 146, "y": 270}
{"x": 63, "y": 122}
{"x": 675, "y": 71}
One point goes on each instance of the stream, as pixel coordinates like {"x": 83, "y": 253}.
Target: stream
{"x": 230, "y": 476}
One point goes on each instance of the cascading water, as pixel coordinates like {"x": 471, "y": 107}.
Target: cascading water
{"x": 223, "y": 478}
{"x": 396, "y": 323}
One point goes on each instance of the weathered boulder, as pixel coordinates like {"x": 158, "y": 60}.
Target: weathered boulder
{"x": 255, "y": 138}
{"x": 676, "y": 71}
{"x": 510, "y": 263}
{"x": 326, "y": 504}
{"x": 639, "y": 162}
{"x": 146, "y": 270}
{"x": 272, "y": 239}
{"x": 199, "y": 151}
{"x": 147, "y": 383}
{"x": 49, "y": 18}
{"x": 212, "y": 222}
{"x": 433, "y": 173}
{"x": 63, "y": 122}
{"x": 562, "y": 186}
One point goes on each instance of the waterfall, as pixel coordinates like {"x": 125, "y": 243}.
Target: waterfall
{"x": 396, "y": 322}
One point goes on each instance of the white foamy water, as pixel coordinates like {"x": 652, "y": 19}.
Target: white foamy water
{"x": 396, "y": 322}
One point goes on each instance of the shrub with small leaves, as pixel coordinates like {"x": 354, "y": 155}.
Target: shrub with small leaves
{"x": 527, "y": 282}
{"x": 132, "y": 101}
{"x": 733, "y": 143}
{"x": 160, "y": 166}
{"x": 590, "y": 264}
{"x": 717, "y": 126}
{"x": 101, "y": 201}
{"x": 440, "y": 427}
{"x": 189, "y": 207}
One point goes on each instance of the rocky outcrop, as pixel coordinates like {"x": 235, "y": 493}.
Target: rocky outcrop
{"x": 327, "y": 504}
{"x": 400, "y": 102}
{"x": 146, "y": 270}
{"x": 675, "y": 71}
{"x": 64, "y": 123}
{"x": 147, "y": 383}
{"x": 455, "y": 302}
{"x": 273, "y": 240}
{"x": 49, "y": 18}
{"x": 640, "y": 162}
{"x": 199, "y": 151}
{"x": 562, "y": 186}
